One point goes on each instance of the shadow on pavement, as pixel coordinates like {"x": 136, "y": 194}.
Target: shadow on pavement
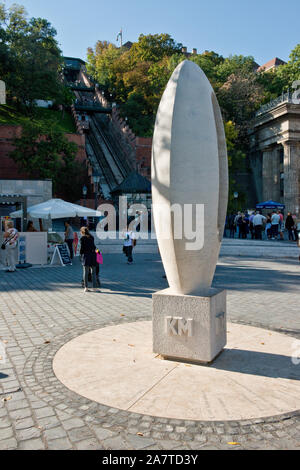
{"x": 257, "y": 363}
{"x": 146, "y": 277}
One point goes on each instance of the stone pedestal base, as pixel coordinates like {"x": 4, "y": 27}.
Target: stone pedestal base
{"x": 187, "y": 327}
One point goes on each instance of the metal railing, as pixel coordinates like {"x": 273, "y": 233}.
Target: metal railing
{"x": 283, "y": 98}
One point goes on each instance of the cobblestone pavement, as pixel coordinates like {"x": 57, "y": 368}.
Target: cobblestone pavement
{"x": 43, "y": 308}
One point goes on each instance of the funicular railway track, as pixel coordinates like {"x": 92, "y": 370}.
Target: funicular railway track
{"x": 113, "y": 168}
{"x": 113, "y": 144}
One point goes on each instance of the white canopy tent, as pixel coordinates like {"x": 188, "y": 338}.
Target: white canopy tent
{"x": 57, "y": 209}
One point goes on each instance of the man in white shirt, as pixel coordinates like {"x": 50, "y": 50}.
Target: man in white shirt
{"x": 129, "y": 243}
{"x": 275, "y": 220}
{"x": 258, "y": 221}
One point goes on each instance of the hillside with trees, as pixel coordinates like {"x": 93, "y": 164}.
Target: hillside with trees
{"x": 31, "y": 66}
{"x": 135, "y": 79}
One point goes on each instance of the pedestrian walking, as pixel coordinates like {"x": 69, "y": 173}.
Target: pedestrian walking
{"x": 243, "y": 226}
{"x": 268, "y": 227}
{"x": 69, "y": 238}
{"x": 88, "y": 258}
{"x": 275, "y": 220}
{"x": 10, "y": 244}
{"x": 258, "y": 221}
{"x": 99, "y": 259}
{"x": 129, "y": 243}
{"x": 296, "y": 229}
{"x": 281, "y": 225}
{"x": 251, "y": 225}
{"x": 237, "y": 222}
{"x": 290, "y": 226}
{"x": 231, "y": 225}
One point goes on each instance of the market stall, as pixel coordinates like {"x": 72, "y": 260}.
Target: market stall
{"x": 38, "y": 247}
{"x": 270, "y": 205}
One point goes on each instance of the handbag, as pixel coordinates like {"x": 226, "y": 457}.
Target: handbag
{"x": 99, "y": 257}
{"x": 3, "y": 246}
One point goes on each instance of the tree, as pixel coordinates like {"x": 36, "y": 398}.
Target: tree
{"x": 208, "y": 62}
{"x": 290, "y": 72}
{"x": 135, "y": 78}
{"x": 33, "y": 58}
{"x": 46, "y": 153}
{"x": 140, "y": 118}
{"x": 240, "y": 96}
{"x": 153, "y": 47}
{"x": 101, "y": 63}
{"x": 235, "y": 64}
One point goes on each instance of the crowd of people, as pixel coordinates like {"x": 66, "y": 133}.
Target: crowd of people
{"x": 257, "y": 226}
{"x": 241, "y": 225}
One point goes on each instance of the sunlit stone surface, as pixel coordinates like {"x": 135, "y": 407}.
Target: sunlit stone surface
{"x": 189, "y": 191}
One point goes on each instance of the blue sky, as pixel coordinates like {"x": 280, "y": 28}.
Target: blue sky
{"x": 261, "y": 28}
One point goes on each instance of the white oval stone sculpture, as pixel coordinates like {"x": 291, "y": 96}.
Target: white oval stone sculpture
{"x": 189, "y": 167}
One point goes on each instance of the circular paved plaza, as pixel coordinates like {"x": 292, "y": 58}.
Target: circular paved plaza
{"x": 254, "y": 377}
{"x": 43, "y": 310}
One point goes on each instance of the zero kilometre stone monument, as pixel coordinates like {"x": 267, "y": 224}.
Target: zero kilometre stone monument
{"x": 190, "y": 193}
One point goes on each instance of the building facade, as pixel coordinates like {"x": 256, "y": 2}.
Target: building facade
{"x": 275, "y": 153}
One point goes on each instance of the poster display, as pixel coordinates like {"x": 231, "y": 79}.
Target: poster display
{"x": 61, "y": 255}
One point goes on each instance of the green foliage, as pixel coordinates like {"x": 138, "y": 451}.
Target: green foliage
{"x": 153, "y": 48}
{"x": 137, "y": 78}
{"x": 44, "y": 117}
{"x": 44, "y": 152}
{"x": 141, "y": 120}
{"x": 30, "y": 58}
{"x": 209, "y": 61}
{"x": 281, "y": 79}
{"x": 240, "y": 96}
{"x": 273, "y": 84}
{"x": 233, "y": 65}
{"x": 101, "y": 62}
{"x": 290, "y": 72}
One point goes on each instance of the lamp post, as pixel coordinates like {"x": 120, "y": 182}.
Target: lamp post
{"x": 96, "y": 180}
{"x": 84, "y": 192}
{"x": 235, "y": 195}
